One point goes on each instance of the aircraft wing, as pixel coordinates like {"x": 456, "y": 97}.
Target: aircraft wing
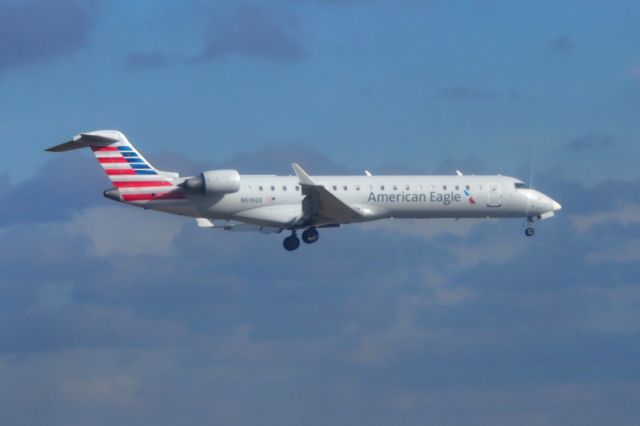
{"x": 319, "y": 206}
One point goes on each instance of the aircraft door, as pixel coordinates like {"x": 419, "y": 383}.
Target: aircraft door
{"x": 495, "y": 195}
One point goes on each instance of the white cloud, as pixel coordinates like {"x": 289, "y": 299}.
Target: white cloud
{"x": 629, "y": 251}
{"x": 617, "y": 310}
{"x": 425, "y": 228}
{"x": 445, "y": 293}
{"x": 627, "y": 215}
{"x": 55, "y": 294}
{"x": 404, "y": 332}
{"x": 493, "y": 252}
{"x": 128, "y": 231}
{"x": 109, "y": 389}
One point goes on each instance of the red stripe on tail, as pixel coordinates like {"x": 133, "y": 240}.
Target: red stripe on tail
{"x": 104, "y": 149}
{"x": 104, "y": 160}
{"x": 149, "y": 197}
{"x": 116, "y": 172}
{"x": 141, "y": 184}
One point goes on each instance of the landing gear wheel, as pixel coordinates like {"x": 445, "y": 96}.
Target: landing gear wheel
{"x": 291, "y": 243}
{"x": 310, "y": 235}
{"x": 529, "y": 232}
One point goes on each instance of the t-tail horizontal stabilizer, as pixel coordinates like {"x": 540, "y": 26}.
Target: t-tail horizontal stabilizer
{"x": 83, "y": 140}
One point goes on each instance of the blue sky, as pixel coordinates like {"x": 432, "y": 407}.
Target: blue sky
{"x": 112, "y": 315}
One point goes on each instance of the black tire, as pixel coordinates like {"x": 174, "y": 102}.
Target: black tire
{"x": 529, "y": 232}
{"x": 291, "y": 243}
{"x": 310, "y": 235}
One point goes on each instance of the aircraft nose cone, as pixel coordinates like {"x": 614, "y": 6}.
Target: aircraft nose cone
{"x": 555, "y": 205}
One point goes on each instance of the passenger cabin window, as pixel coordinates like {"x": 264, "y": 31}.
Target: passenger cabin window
{"x": 357, "y": 187}
{"x": 457, "y": 187}
{"x": 297, "y": 188}
{"x": 381, "y": 187}
{"x": 284, "y": 187}
{"x": 444, "y": 187}
{"x": 406, "y": 188}
{"x": 520, "y": 185}
{"x": 344, "y": 187}
{"x": 395, "y": 187}
{"x": 260, "y": 188}
{"x": 467, "y": 187}
{"x": 273, "y": 188}
{"x": 335, "y": 188}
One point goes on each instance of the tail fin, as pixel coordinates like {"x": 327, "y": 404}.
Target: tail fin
{"x": 134, "y": 177}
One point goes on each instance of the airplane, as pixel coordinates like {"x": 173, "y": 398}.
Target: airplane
{"x": 227, "y": 200}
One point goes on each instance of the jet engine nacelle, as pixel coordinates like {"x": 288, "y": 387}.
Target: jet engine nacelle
{"x": 214, "y": 182}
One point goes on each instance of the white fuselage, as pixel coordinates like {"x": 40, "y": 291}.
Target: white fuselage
{"x": 277, "y": 200}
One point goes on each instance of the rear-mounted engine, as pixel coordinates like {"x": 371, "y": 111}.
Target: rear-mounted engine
{"x": 214, "y": 182}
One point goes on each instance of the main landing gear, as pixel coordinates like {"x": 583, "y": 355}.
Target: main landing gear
{"x": 309, "y": 236}
{"x": 291, "y": 242}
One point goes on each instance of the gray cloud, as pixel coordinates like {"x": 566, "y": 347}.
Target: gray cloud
{"x": 38, "y": 31}
{"x": 371, "y": 325}
{"x": 63, "y": 185}
{"x": 593, "y": 141}
{"x": 252, "y": 31}
{"x": 561, "y": 44}
{"x": 145, "y": 60}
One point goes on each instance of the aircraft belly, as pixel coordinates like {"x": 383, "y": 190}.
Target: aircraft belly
{"x": 282, "y": 215}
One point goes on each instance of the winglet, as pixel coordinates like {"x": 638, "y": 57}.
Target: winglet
{"x": 303, "y": 177}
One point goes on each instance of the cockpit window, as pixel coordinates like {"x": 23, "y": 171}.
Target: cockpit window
{"x": 520, "y": 185}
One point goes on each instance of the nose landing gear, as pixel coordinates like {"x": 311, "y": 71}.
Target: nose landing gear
{"x": 530, "y": 231}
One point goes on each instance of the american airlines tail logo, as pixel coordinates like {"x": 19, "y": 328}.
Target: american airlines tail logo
{"x": 469, "y": 197}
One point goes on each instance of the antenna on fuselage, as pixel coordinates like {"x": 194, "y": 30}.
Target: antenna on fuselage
{"x": 368, "y": 173}
{"x": 459, "y": 173}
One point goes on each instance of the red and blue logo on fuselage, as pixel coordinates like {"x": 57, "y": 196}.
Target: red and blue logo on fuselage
{"x": 469, "y": 197}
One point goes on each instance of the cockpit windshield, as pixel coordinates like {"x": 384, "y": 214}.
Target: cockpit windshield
{"x": 520, "y": 185}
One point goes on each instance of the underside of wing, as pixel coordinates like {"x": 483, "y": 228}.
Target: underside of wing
{"x": 319, "y": 206}
{"x": 230, "y": 225}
